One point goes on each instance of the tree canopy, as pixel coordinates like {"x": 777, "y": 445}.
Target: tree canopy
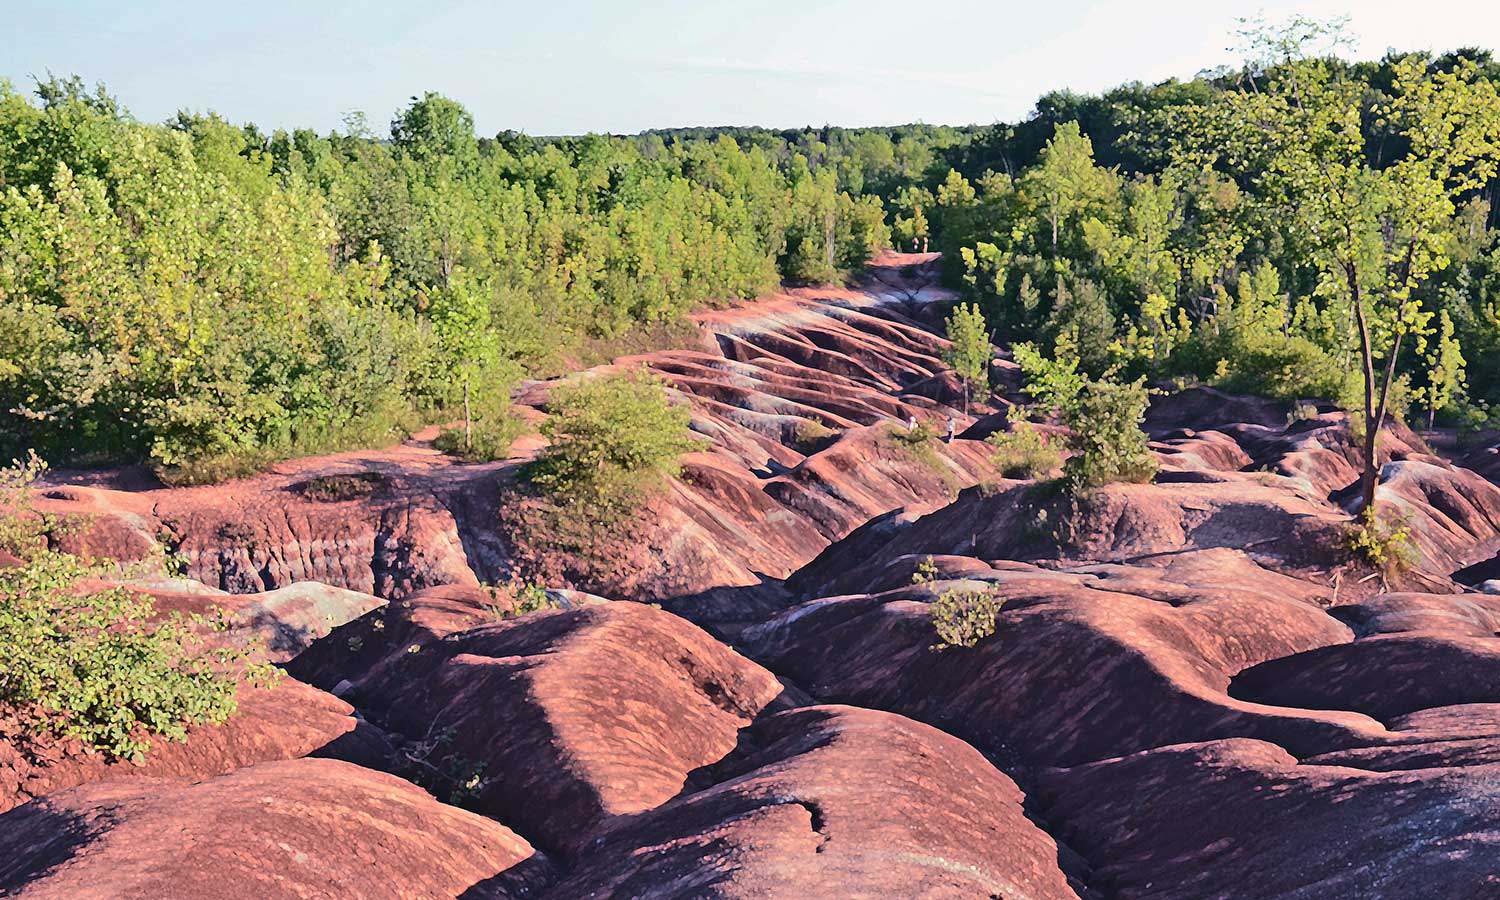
{"x": 198, "y": 291}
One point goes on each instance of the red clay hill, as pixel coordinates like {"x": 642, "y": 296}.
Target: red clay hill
{"x": 1191, "y": 690}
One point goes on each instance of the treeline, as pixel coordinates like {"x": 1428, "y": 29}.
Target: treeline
{"x": 208, "y": 296}
{"x": 204, "y": 291}
{"x": 1151, "y": 230}
{"x": 1270, "y": 231}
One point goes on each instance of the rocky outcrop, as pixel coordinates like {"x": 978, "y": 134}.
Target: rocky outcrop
{"x": 301, "y": 828}
{"x": 833, "y": 801}
{"x": 1384, "y": 676}
{"x": 1087, "y": 662}
{"x": 565, "y": 720}
{"x": 279, "y": 624}
{"x": 1241, "y": 818}
{"x": 1012, "y": 520}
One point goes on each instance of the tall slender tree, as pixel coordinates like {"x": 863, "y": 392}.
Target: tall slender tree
{"x": 1372, "y": 235}
{"x": 970, "y": 352}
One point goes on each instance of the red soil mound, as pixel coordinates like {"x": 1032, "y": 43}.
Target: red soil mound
{"x": 1241, "y": 818}
{"x": 832, "y": 801}
{"x": 579, "y": 715}
{"x": 302, "y": 828}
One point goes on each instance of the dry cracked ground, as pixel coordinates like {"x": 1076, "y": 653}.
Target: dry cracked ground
{"x": 1190, "y": 693}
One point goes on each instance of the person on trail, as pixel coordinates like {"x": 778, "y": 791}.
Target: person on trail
{"x": 911, "y": 424}
{"x": 952, "y": 427}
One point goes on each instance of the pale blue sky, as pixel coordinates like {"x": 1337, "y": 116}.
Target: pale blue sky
{"x": 570, "y": 66}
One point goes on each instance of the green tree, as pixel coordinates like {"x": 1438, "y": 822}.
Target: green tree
{"x": 1065, "y": 188}
{"x": 461, "y": 319}
{"x": 1373, "y": 234}
{"x": 613, "y": 439}
{"x": 1103, "y": 417}
{"x": 433, "y": 127}
{"x": 969, "y": 351}
{"x": 1083, "y": 327}
{"x": 1445, "y": 362}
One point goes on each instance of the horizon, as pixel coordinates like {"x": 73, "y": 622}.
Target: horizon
{"x": 281, "y": 68}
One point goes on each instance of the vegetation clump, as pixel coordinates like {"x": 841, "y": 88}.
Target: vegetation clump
{"x": 517, "y": 598}
{"x": 811, "y": 435}
{"x": 1103, "y": 417}
{"x": 1381, "y": 541}
{"x": 99, "y": 666}
{"x": 962, "y": 617}
{"x": 614, "y": 440}
{"x": 1023, "y": 451}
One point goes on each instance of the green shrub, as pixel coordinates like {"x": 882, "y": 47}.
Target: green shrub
{"x": 95, "y": 665}
{"x": 23, "y": 529}
{"x": 613, "y": 439}
{"x": 490, "y": 437}
{"x": 963, "y": 617}
{"x": 1383, "y": 542}
{"x": 517, "y": 598}
{"x": 811, "y": 435}
{"x": 1023, "y": 451}
{"x": 1107, "y": 441}
{"x": 1301, "y": 412}
{"x": 1275, "y": 366}
{"x": 925, "y": 573}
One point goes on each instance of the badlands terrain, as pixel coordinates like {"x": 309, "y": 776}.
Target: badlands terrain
{"x": 1191, "y": 691}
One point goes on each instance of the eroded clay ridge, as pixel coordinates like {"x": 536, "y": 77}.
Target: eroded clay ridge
{"x": 1190, "y": 691}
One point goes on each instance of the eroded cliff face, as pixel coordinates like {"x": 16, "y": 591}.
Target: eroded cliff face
{"x": 1190, "y": 690}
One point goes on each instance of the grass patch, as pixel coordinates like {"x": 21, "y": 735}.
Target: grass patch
{"x": 490, "y": 438}
{"x": 920, "y": 445}
{"x": 1023, "y": 451}
{"x": 810, "y": 436}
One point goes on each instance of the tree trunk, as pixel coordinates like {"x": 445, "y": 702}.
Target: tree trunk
{"x": 1371, "y": 471}
{"x": 1056, "y": 266}
{"x": 467, "y": 427}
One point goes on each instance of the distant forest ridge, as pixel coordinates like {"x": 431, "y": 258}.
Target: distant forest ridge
{"x": 197, "y": 291}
